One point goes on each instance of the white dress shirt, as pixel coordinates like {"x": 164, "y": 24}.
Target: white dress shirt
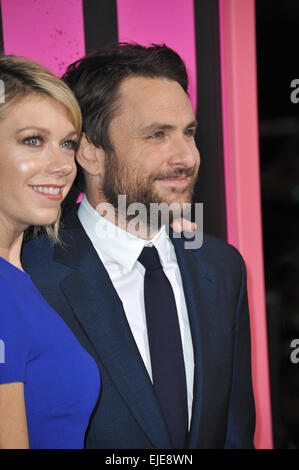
{"x": 119, "y": 252}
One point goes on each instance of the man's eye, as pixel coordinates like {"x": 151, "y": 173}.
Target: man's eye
{"x": 70, "y": 144}
{"x": 190, "y": 132}
{"x": 156, "y": 135}
{"x": 34, "y": 141}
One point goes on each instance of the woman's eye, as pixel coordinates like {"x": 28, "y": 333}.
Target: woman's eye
{"x": 70, "y": 144}
{"x": 33, "y": 141}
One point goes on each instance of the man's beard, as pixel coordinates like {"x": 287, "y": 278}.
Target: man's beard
{"x": 122, "y": 180}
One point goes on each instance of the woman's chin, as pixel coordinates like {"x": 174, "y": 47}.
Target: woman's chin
{"x": 49, "y": 217}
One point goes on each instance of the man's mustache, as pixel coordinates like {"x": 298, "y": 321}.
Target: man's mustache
{"x": 177, "y": 173}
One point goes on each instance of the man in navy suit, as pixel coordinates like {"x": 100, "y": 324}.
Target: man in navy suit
{"x": 139, "y": 142}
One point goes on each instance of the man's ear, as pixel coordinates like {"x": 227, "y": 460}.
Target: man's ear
{"x": 90, "y": 157}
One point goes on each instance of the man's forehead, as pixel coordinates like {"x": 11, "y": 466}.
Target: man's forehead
{"x": 160, "y": 97}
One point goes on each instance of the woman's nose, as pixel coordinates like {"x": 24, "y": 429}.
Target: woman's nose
{"x": 60, "y": 164}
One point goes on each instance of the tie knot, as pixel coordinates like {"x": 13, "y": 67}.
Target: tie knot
{"x": 149, "y": 258}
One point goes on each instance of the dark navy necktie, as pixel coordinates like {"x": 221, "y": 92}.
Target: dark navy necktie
{"x": 167, "y": 361}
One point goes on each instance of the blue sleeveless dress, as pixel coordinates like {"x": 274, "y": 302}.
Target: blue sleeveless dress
{"x": 61, "y": 380}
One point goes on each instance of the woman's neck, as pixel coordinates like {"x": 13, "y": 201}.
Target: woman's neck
{"x": 10, "y": 247}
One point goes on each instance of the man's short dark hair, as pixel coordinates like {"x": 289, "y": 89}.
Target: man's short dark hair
{"x": 95, "y": 80}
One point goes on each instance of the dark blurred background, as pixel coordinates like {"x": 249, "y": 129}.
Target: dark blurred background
{"x": 278, "y": 64}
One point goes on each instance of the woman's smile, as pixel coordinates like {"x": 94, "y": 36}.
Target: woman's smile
{"x": 53, "y": 192}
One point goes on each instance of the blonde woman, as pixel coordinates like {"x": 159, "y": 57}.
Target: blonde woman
{"x": 49, "y": 384}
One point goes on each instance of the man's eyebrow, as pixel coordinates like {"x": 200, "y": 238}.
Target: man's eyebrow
{"x": 193, "y": 123}
{"x": 155, "y": 126}
{"x": 158, "y": 126}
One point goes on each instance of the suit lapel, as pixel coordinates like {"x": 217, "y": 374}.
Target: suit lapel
{"x": 96, "y": 304}
{"x": 199, "y": 285}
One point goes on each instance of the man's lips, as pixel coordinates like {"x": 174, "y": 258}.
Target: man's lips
{"x": 174, "y": 180}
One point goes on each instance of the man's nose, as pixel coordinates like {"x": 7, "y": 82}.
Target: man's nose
{"x": 184, "y": 153}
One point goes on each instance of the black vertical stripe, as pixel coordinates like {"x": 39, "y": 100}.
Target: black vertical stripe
{"x": 211, "y": 186}
{"x": 100, "y": 23}
{"x": 100, "y": 29}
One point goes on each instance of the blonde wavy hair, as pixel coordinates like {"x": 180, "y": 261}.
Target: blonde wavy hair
{"x": 22, "y": 77}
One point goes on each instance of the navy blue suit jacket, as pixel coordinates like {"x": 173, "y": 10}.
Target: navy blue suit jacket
{"x": 74, "y": 281}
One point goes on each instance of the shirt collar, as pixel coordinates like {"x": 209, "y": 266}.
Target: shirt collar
{"x": 116, "y": 244}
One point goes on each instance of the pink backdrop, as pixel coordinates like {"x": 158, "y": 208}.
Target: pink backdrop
{"x": 242, "y": 176}
{"x": 157, "y": 21}
{"x": 51, "y": 32}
